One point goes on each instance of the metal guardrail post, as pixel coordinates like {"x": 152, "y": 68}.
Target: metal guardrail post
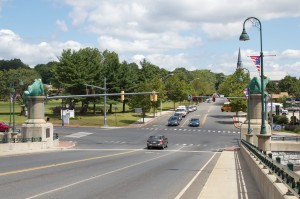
{"x": 290, "y": 166}
{"x": 285, "y": 174}
{"x": 278, "y": 159}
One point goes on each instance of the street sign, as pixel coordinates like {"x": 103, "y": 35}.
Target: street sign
{"x": 138, "y": 110}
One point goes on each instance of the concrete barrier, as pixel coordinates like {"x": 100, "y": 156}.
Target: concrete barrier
{"x": 27, "y": 146}
{"x": 268, "y": 185}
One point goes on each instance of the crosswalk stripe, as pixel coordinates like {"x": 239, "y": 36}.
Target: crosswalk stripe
{"x": 78, "y": 135}
{"x": 184, "y": 130}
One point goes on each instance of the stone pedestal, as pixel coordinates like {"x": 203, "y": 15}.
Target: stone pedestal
{"x": 249, "y": 138}
{"x": 36, "y": 110}
{"x": 36, "y": 126}
{"x": 264, "y": 142}
{"x": 257, "y": 139}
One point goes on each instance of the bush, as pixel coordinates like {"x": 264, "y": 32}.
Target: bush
{"x": 297, "y": 130}
{"x": 280, "y": 119}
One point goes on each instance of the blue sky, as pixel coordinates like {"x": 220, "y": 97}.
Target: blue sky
{"x": 195, "y": 34}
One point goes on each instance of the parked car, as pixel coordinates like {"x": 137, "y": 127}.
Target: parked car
{"x": 157, "y": 141}
{"x": 173, "y": 121}
{"x": 4, "y": 127}
{"x": 194, "y": 122}
{"x": 179, "y": 115}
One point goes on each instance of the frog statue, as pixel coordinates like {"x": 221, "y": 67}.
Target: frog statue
{"x": 255, "y": 85}
{"x": 35, "y": 89}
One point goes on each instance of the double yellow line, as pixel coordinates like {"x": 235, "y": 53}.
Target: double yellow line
{"x": 63, "y": 163}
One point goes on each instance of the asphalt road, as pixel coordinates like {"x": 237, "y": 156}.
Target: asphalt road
{"x": 114, "y": 162}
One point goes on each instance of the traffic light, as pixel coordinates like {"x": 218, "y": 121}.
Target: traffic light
{"x": 153, "y": 97}
{"x": 122, "y": 96}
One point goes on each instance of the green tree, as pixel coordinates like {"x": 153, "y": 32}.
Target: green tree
{"x": 289, "y": 84}
{"x": 20, "y": 78}
{"x": 233, "y": 86}
{"x": 12, "y": 64}
{"x": 142, "y": 101}
{"x": 177, "y": 90}
{"x": 272, "y": 87}
{"x": 77, "y": 68}
{"x": 220, "y": 78}
{"x": 149, "y": 71}
{"x": 201, "y": 87}
{"x": 183, "y": 74}
{"x": 111, "y": 67}
{"x": 45, "y": 71}
{"x": 232, "y": 83}
{"x": 127, "y": 78}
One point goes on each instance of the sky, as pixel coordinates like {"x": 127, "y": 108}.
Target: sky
{"x": 193, "y": 34}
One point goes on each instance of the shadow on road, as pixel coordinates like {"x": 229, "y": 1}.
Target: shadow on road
{"x": 221, "y": 116}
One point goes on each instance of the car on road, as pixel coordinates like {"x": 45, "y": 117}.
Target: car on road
{"x": 226, "y": 107}
{"x": 182, "y": 110}
{"x": 173, "y": 121}
{"x": 4, "y": 127}
{"x": 191, "y": 108}
{"x": 157, "y": 141}
{"x": 179, "y": 115}
{"x": 195, "y": 122}
{"x": 195, "y": 107}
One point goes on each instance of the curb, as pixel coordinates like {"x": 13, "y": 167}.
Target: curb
{"x": 232, "y": 149}
{"x": 65, "y": 145}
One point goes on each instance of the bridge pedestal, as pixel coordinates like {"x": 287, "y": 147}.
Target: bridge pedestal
{"x": 36, "y": 126}
{"x": 257, "y": 139}
{"x": 249, "y": 138}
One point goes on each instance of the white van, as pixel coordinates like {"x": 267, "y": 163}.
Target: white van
{"x": 182, "y": 110}
{"x": 281, "y": 110}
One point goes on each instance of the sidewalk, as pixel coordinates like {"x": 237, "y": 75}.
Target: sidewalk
{"x": 147, "y": 119}
{"x": 230, "y": 178}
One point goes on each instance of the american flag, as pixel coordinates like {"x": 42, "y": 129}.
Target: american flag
{"x": 256, "y": 61}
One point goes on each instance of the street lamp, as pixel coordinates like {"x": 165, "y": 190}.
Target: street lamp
{"x": 12, "y": 104}
{"x": 244, "y": 37}
{"x": 162, "y": 80}
{"x": 248, "y": 100}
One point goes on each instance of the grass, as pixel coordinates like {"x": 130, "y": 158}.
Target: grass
{"x": 117, "y": 118}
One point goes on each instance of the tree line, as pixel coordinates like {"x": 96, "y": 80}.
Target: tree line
{"x": 75, "y": 69}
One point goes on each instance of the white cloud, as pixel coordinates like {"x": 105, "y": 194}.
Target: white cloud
{"x": 12, "y": 46}
{"x": 168, "y": 33}
{"x": 291, "y": 53}
{"x": 62, "y": 25}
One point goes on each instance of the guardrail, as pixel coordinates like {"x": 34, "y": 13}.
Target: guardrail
{"x": 286, "y": 138}
{"x": 284, "y": 174}
{"x": 16, "y": 140}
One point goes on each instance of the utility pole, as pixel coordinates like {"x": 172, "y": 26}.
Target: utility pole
{"x": 104, "y": 89}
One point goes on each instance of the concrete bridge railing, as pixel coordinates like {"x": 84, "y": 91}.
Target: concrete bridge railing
{"x": 274, "y": 180}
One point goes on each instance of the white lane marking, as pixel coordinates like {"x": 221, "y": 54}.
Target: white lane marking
{"x": 193, "y": 179}
{"x": 99, "y": 176}
{"x": 78, "y": 135}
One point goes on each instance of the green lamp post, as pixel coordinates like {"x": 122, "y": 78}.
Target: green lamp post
{"x": 240, "y": 79}
{"x": 12, "y": 104}
{"x": 244, "y": 37}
